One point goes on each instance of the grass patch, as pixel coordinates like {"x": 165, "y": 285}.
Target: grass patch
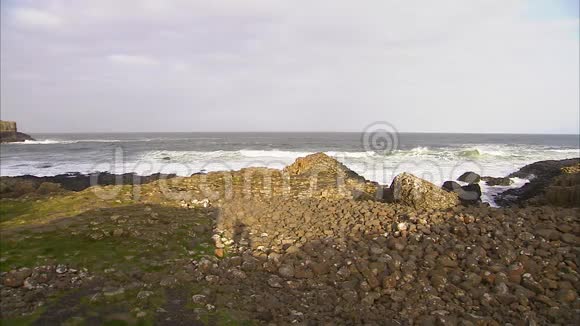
{"x": 11, "y": 208}
{"x": 23, "y": 320}
{"x": 20, "y": 212}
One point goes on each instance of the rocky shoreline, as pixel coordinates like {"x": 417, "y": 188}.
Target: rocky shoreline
{"x": 10, "y": 134}
{"x": 311, "y": 244}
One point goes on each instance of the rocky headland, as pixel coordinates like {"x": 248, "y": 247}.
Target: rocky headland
{"x": 10, "y": 134}
{"x": 314, "y": 243}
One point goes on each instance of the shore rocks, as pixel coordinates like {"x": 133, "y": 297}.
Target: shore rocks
{"x": 307, "y": 258}
{"x": 25, "y": 289}
{"x": 542, "y": 176}
{"x": 457, "y": 264}
{"x": 469, "y": 194}
{"x": 415, "y": 192}
{"x": 565, "y": 189}
{"x": 501, "y": 181}
{"x": 320, "y": 163}
{"x": 13, "y": 187}
{"x": 469, "y": 177}
{"x": 9, "y": 133}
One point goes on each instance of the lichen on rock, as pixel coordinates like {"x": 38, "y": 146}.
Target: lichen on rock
{"x": 412, "y": 191}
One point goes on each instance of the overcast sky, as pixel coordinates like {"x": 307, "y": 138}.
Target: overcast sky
{"x": 268, "y": 65}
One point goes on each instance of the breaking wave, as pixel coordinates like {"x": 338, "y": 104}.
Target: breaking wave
{"x": 64, "y": 142}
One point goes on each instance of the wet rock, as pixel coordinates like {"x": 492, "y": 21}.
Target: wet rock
{"x": 469, "y": 177}
{"x": 502, "y": 181}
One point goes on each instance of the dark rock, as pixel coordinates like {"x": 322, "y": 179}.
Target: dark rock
{"x": 493, "y": 181}
{"x": 542, "y": 175}
{"x": 469, "y": 177}
{"x": 451, "y": 186}
{"x": 469, "y": 194}
{"x": 12, "y": 187}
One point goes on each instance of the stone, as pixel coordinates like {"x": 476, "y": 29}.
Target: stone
{"x": 199, "y": 299}
{"x": 286, "y": 271}
{"x": 567, "y": 295}
{"x": 415, "y": 192}
{"x": 15, "y": 278}
{"x": 467, "y": 194}
{"x": 144, "y": 295}
{"x": 502, "y": 181}
{"x": 219, "y": 252}
{"x": 469, "y": 177}
{"x": 275, "y": 281}
{"x": 529, "y": 282}
{"x": 111, "y": 292}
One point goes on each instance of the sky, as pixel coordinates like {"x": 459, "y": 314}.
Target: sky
{"x": 491, "y": 66}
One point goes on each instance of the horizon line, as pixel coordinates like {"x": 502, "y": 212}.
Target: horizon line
{"x": 299, "y": 132}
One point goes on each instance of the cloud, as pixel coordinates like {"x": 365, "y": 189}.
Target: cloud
{"x": 132, "y": 59}
{"x": 36, "y": 18}
{"x": 422, "y": 65}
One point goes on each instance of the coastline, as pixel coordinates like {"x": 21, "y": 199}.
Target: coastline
{"x": 313, "y": 232}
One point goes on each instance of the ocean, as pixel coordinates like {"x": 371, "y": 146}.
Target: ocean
{"x": 434, "y": 157}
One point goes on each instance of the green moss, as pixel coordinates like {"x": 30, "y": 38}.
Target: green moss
{"x": 19, "y": 212}
{"x": 10, "y": 208}
{"x": 23, "y": 320}
{"x": 155, "y": 239}
{"x": 224, "y": 317}
{"x": 33, "y": 250}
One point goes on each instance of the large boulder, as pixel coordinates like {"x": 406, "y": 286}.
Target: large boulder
{"x": 469, "y": 177}
{"x": 469, "y": 194}
{"x": 410, "y": 190}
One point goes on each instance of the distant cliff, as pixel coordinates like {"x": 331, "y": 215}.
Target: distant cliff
{"x": 9, "y": 133}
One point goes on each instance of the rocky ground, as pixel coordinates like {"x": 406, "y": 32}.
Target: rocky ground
{"x": 311, "y": 244}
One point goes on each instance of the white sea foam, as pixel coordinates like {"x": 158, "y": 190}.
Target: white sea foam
{"x": 44, "y": 142}
{"x": 434, "y": 164}
{"x": 65, "y": 142}
{"x": 489, "y": 192}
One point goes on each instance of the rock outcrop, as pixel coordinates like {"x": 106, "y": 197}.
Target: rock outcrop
{"x": 551, "y": 182}
{"x": 321, "y": 163}
{"x": 14, "y": 187}
{"x": 9, "y": 133}
{"x": 415, "y": 192}
{"x": 330, "y": 173}
{"x": 565, "y": 188}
